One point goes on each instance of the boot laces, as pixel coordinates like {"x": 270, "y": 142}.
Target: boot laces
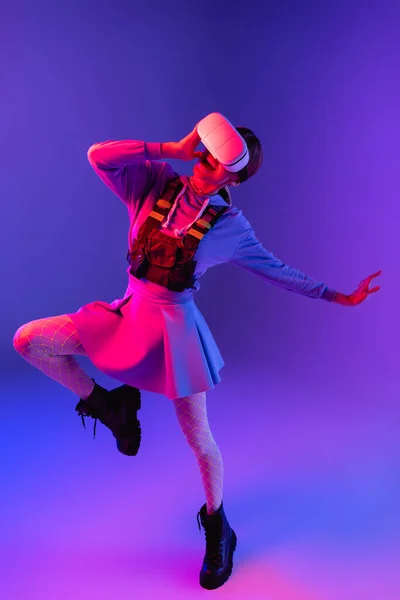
{"x": 82, "y": 416}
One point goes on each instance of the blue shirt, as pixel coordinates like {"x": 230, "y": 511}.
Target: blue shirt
{"x": 134, "y": 172}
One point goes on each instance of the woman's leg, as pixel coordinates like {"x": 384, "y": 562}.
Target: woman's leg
{"x": 191, "y": 412}
{"x": 49, "y": 344}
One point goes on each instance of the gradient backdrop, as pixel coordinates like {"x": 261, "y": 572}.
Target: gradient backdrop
{"x": 307, "y": 415}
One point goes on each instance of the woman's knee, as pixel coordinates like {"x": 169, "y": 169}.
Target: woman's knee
{"x": 52, "y": 335}
{"x": 201, "y": 440}
{"x": 24, "y": 337}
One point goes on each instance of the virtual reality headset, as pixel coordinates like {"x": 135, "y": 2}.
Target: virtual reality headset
{"x": 224, "y": 143}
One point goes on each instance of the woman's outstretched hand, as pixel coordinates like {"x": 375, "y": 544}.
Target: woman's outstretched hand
{"x": 183, "y": 150}
{"x": 361, "y": 293}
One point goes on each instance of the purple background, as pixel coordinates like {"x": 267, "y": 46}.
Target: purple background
{"x": 307, "y": 414}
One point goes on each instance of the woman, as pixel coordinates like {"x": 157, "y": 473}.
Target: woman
{"x": 155, "y": 338}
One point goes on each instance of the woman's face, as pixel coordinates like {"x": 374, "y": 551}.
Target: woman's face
{"x": 209, "y": 175}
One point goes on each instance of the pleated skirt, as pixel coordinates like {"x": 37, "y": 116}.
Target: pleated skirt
{"x": 153, "y": 339}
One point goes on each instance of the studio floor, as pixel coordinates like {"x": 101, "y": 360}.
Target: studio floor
{"x": 312, "y": 489}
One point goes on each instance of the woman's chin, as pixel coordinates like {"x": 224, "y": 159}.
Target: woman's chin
{"x": 198, "y": 180}
{"x": 201, "y": 175}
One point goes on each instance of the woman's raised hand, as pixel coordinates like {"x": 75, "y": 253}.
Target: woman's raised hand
{"x": 184, "y": 149}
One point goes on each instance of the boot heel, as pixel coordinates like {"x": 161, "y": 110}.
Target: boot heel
{"x": 234, "y": 541}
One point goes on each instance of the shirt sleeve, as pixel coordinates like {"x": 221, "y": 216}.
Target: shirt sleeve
{"x": 251, "y": 256}
{"x": 129, "y": 168}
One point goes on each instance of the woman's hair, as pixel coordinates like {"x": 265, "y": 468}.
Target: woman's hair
{"x": 255, "y": 158}
{"x": 255, "y": 150}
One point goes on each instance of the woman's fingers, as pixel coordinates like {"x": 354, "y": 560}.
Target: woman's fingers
{"x": 367, "y": 280}
{"x": 194, "y": 135}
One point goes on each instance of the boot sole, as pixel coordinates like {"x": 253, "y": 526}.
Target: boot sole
{"x": 129, "y": 445}
{"x": 213, "y": 585}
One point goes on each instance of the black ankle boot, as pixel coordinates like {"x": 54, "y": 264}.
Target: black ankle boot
{"x": 221, "y": 542}
{"x": 127, "y": 401}
{"x": 117, "y": 410}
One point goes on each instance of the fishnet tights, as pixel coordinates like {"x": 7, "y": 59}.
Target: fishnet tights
{"x": 48, "y": 345}
{"x": 192, "y": 417}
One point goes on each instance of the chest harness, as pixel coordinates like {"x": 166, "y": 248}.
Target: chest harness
{"x": 165, "y": 260}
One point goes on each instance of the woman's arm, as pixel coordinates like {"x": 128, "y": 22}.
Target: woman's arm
{"x": 253, "y": 257}
{"x": 128, "y": 167}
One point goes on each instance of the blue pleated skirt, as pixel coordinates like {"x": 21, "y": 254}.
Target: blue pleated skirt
{"x": 152, "y": 338}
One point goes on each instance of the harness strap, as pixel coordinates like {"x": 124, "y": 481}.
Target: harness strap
{"x": 163, "y": 204}
{"x": 210, "y": 216}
